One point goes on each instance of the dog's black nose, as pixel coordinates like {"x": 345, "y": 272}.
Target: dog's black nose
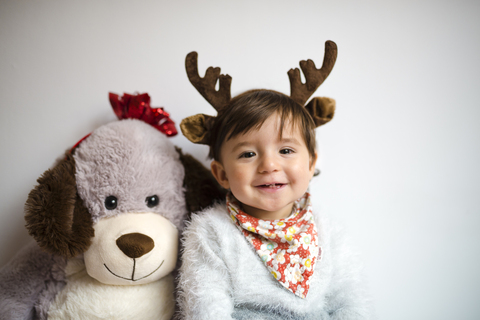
{"x": 135, "y": 245}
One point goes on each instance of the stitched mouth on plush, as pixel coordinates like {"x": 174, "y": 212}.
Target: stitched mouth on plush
{"x": 132, "y": 278}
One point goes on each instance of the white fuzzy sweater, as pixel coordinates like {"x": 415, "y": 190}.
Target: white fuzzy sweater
{"x": 223, "y": 278}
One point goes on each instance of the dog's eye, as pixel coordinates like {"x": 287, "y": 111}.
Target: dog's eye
{"x": 111, "y": 202}
{"x": 152, "y": 201}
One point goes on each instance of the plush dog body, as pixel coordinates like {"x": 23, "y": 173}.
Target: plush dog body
{"x": 108, "y": 218}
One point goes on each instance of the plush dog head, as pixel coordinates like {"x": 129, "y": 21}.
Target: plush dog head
{"x": 120, "y": 198}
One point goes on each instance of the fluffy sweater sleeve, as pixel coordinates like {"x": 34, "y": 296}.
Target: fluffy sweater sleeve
{"x": 205, "y": 288}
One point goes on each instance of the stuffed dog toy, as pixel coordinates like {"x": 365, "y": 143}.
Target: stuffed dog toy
{"x": 106, "y": 221}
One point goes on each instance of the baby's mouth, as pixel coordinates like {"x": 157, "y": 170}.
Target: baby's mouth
{"x": 272, "y": 185}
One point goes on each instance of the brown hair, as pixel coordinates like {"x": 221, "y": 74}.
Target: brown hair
{"x": 250, "y": 109}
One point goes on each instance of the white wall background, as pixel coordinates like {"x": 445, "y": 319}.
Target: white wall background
{"x": 400, "y": 161}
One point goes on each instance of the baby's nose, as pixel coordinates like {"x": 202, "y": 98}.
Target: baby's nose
{"x": 268, "y": 163}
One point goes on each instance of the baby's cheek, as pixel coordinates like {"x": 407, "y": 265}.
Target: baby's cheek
{"x": 238, "y": 179}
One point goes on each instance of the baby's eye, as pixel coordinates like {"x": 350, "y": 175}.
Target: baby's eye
{"x": 286, "y": 151}
{"x": 247, "y": 154}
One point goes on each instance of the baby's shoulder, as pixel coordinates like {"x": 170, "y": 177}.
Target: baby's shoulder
{"x": 321, "y": 218}
{"x": 328, "y": 227}
{"x": 213, "y": 219}
{"x": 211, "y": 230}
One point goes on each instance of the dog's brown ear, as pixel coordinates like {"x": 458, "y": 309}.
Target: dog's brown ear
{"x": 55, "y": 215}
{"x": 201, "y": 188}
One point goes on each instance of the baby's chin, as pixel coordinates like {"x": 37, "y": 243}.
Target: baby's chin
{"x": 268, "y": 212}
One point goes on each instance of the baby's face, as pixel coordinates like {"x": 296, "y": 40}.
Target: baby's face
{"x": 264, "y": 172}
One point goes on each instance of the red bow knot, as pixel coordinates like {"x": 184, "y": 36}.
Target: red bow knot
{"x": 138, "y": 107}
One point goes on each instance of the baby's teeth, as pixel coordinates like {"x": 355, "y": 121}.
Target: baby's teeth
{"x": 272, "y": 185}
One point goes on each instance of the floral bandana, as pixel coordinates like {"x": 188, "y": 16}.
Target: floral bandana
{"x": 288, "y": 247}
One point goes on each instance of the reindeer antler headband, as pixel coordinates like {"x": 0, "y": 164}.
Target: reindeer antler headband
{"x": 196, "y": 128}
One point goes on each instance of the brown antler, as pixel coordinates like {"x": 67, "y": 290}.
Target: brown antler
{"x": 206, "y": 85}
{"x": 301, "y": 92}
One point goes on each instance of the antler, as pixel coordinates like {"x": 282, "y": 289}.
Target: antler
{"x": 206, "y": 85}
{"x": 301, "y": 92}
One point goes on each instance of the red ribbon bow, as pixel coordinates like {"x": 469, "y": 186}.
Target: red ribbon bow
{"x": 138, "y": 107}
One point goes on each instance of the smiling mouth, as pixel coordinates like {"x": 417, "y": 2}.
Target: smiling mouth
{"x": 133, "y": 272}
{"x": 272, "y": 185}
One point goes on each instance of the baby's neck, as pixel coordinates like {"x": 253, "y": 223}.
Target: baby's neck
{"x": 283, "y": 213}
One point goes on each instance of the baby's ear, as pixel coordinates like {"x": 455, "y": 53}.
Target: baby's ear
{"x": 219, "y": 173}
{"x": 55, "y": 215}
{"x": 313, "y": 161}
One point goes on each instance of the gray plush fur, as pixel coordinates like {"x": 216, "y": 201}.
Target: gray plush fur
{"x": 223, "y": 278}
{"x": 104, "y": 169}
{"x": 128, "y": 159}
{"x": 27, "y": 288}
